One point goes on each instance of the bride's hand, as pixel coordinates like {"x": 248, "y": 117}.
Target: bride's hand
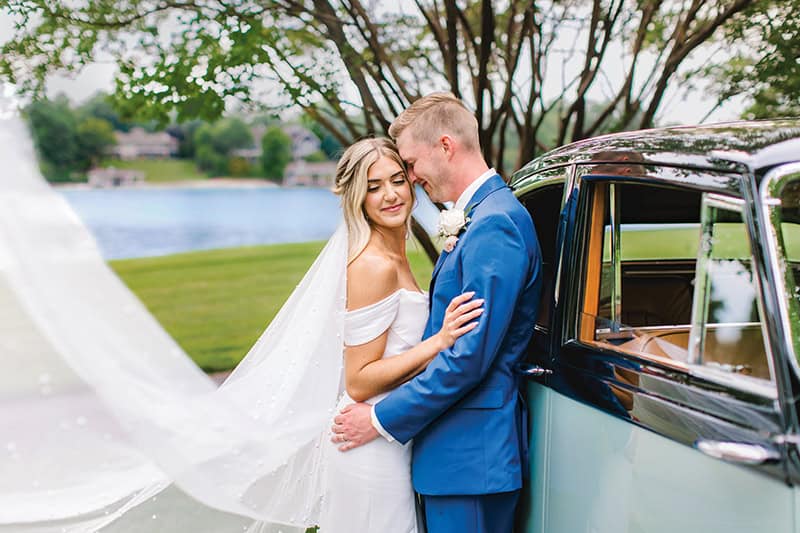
{"x": 457, "y": 318}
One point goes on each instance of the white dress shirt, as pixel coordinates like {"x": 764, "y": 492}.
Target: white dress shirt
{"x": 461, "y": 203}
{"x": 472, "y": 188}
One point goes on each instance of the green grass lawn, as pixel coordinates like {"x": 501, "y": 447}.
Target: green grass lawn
{"x": 160, "y": 170}
{"x": 217, "y": 303}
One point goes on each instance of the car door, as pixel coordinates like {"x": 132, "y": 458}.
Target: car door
{"x": 662, "y": 411}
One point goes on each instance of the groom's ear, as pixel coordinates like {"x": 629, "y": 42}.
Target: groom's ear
{"x": 448, "y": 145}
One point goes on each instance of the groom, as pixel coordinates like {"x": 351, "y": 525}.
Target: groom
{"x": 463, "y": 411}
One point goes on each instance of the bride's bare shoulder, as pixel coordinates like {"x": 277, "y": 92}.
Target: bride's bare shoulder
{"x": 371, "y": 277}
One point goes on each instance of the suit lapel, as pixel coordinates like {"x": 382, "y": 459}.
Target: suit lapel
{"x": 439, "y": 263}
{"x": 493, "y": 184}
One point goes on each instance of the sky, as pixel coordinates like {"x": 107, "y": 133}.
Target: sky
{"x": 678, "y": 107}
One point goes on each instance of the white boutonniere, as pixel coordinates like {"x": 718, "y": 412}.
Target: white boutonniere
{"x": 451, "y": 223}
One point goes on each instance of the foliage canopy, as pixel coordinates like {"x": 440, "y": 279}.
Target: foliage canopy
{"x": 214, "y": 144}
{"x": 766, "y": 64}
{"x": 68, "y": 141}
{"x": 276, "y": 151}
{"x": 585, "y": 67}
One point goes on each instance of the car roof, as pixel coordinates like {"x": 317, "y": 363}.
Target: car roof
{"x": 731, "y": 146}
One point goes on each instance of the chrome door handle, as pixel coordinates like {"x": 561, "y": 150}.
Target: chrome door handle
{"x": 738, "y": 452}
{"x": 528, "y": 370}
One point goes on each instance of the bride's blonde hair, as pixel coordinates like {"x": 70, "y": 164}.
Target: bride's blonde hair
{"x": 351, "y": 184}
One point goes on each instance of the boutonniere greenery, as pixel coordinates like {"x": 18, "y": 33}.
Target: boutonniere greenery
{"x": 451, "y": 223}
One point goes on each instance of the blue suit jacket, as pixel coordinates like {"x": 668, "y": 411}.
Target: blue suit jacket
{"x": 463, "y": 411}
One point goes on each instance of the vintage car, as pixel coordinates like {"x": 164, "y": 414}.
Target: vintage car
{"x": 663, "y": 381}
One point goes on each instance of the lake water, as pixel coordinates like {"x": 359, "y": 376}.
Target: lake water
{"x": 154, "y": 221}
{"x": 148, "y": 222}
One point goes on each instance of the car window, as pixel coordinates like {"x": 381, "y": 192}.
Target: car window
{"x": 784, "y": 211}
{"x": 544, "y": 206}
{"x": 668, "y": 276}
{"x": 728, "y": 335}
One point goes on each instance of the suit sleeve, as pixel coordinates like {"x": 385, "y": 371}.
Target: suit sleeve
{"x": 495, "y": 264}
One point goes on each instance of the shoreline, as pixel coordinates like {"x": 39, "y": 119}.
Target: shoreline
{"x": 210, "y": 183}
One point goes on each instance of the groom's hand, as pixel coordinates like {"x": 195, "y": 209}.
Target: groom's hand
{"x": 352, "y": 427}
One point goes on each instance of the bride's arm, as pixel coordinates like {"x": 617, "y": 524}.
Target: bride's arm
{"x": 366, "y": 372}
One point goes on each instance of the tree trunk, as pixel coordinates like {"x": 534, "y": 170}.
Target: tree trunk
{"x": 424, "y": 240}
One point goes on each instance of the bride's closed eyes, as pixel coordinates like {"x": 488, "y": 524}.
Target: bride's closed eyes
{"x": 398, "y": 179}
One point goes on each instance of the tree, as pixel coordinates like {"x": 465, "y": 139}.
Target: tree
{"x": 101, "y": 106}
{"x": 66, "y": 143}
{"x": 765, "y": 64}
{"x": 214, "y": 143}
{"x": 353, "y": 66}
{"x": 276, "y": 151}
{"x": 95, "y": 135}
{"x": 230, "y": 133}
{"x": 239, "y": 166}
{"x": 53, "y": 127}
{"x": 329, "y": 144}
{"x": 210, "y": 161}
{"x": 184, "y": 132}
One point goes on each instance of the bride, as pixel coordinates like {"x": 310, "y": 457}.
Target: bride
{"x": 112, "y": 427}
{"x": 369, "y": 488}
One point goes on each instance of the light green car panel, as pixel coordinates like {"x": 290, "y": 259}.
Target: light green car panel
{"x": 594, "y": 473}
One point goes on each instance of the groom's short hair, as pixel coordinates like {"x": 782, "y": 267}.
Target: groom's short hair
{"x": 435, "y": 115}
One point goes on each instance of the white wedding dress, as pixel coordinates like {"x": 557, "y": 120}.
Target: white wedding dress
{"x": 107, "y": 425}
{"x": 369, "y": 488}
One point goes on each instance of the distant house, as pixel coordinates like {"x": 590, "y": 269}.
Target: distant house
{"x": 302, "y": 173}
{"x": 139, "y": 143}
{"x": 304, "y": 143}
{"x": 114, "y": 177}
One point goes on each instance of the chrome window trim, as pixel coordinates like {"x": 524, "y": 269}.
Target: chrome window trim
{"x": 642, "y": 272}
{"x": 730, "y": 203}
{"x": 541, "y": 329}
{"x": 768, "y": 351}
{"x": 700, "y": 298}
{"x": 541, "y": 182}
{"x": 769, "y": 191}
{"x": 671, "y": 327}
{"x": 616, "y": 256}
{"x": 749, "y": 384}
{"x": 569, "y": 185}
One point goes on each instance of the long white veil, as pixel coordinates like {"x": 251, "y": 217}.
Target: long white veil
{"x": 102, "y": 414}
